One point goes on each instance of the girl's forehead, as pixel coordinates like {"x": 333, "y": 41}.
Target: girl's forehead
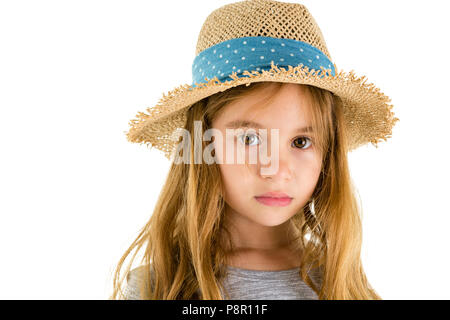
{"x": 272, "y": 99}
{"x": 296, "y": 126}
{"x": 261, "y": 114}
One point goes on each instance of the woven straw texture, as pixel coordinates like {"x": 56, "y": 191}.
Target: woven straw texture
{"x": 261, "y": 18}
{"x": 367, "y": 111}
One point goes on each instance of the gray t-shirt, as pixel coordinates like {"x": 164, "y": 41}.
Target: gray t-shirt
{"x": 244, "y": 284}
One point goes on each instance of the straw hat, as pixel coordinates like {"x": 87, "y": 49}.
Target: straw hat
{"x": 264, "y": 40}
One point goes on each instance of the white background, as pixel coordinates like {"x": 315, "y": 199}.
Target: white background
{"x": 75, "y": 193}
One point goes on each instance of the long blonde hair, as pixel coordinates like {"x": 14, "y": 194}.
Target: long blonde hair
{"x": 184, "y": 250}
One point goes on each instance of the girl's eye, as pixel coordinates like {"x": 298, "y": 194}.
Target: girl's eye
{"x": 250, "y": 139}
{"x": 247, "y": 139}
{"x": 300, "y": 142}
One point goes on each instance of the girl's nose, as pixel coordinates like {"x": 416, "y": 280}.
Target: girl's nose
{"x": 277, "y": 169}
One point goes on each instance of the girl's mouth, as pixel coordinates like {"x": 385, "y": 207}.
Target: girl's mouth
{"x": 274, "y": 202}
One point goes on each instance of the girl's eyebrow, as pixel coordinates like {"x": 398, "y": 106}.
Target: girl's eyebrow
{"x": 235, "y": 124}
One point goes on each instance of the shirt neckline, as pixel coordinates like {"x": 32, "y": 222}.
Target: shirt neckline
{"x": 264, "y": 272}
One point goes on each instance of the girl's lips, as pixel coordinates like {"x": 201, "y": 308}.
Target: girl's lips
{"x": 274, "y": 202}
{"x": 274, "y": 194}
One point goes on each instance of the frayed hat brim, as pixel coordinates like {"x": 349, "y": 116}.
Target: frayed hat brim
{"x": 367, "y": 111}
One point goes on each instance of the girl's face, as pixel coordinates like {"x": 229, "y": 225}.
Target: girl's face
{"x": 299, "y": 164}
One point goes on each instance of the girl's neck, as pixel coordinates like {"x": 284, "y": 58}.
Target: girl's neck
{"x": 263, "y": 259}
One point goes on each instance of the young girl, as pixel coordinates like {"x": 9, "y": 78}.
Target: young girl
{"x": 284, "y": 222}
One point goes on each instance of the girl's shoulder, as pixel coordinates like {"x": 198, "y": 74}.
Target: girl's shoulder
{"x": 137, "y": 273}
{"x": 137, "y": 278}
{"x": 316, "y": 275}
